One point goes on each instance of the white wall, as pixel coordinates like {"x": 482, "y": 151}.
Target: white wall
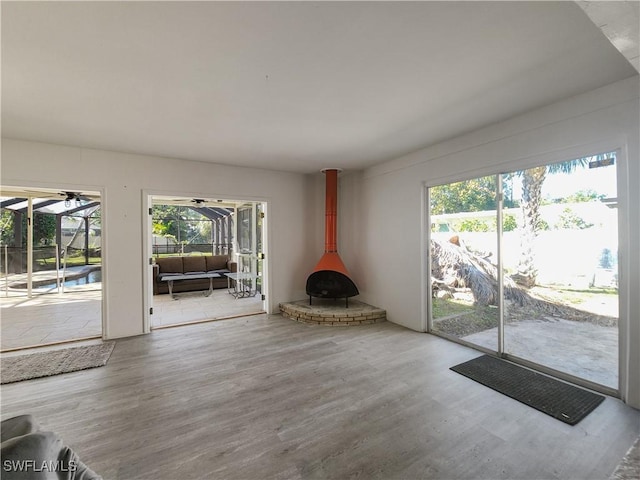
{"x": 388, "y": 263}
{"x": 381, "y": 212}
{"x": 123, "y": 180}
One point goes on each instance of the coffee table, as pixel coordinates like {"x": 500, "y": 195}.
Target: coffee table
{"x": 176, "y": 277}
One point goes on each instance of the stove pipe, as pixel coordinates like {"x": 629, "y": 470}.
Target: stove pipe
{"x": 330, "y": 278}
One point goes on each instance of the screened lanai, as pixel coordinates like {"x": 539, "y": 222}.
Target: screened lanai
{"x": 184, "y": 226}
{"x": 197, "y": 227}
{"x": 65, "y": 233}
{"x": 50, "y": 260}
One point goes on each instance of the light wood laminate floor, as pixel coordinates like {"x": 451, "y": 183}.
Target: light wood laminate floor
{"x": 264, "y": 397}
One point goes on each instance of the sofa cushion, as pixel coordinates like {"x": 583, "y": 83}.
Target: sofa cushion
{"x": 216, "y": 262}
{"x": 194, "y": 264}
{"x": 170, "y": 265}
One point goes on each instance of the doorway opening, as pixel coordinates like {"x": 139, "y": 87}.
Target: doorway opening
{"x": 50, "y": 259}
{"x": 207, "y": 259}
{"x": 524, "y": 265}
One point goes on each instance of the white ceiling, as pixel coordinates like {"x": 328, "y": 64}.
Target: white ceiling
{"x": 289, "y": 86}
{"x": 620, "y": 22}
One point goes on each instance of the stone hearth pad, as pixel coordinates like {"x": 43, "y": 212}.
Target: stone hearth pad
{"x": 330, "y": 312}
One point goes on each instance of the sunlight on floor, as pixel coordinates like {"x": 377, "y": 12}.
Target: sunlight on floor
{"x": 77, "y": 313}
{"x": 194, "y": 306}
{"x": 50, "y": 318}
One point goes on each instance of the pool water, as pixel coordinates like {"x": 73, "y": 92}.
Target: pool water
{"x": 94, "y": 276}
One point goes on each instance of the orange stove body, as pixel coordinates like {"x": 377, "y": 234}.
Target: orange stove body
{"x": 330, "y": 278}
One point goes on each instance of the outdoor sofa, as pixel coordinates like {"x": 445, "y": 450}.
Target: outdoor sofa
{"x": 192, "y": 264}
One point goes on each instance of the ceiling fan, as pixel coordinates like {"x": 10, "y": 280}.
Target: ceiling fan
{"x": 186, "y": 202}
{"x": 193, "y": 202}
{"x": 76, "y": 197}
{"x": 199, "y": 202}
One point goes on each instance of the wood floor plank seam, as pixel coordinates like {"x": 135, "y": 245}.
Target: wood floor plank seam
{"x": 264, "y": 397}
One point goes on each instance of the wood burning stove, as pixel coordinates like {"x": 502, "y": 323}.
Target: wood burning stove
{"x": 330, "y": 278}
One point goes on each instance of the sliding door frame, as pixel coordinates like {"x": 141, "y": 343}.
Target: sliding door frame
{"x": 499, "y": 250}
{"x": 618, "y": 147}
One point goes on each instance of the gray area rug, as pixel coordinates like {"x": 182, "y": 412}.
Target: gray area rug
{"x": 54, "y": 362}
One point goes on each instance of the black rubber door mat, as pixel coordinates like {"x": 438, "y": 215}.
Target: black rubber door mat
{"x": 565, "y": 402}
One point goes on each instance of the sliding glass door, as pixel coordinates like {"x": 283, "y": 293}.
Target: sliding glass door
{"x": 562, "y": 259}
{"x": 463, "y": 255}
{"x": 529, "y": 270}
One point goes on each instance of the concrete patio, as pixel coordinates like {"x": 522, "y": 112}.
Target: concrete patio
{"x": 581, "y": 349}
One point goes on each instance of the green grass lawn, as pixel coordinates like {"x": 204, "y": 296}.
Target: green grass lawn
{"x": 460, "y": 318}
{"x": 573, "y": 296}
{"x": 71, "y": 261}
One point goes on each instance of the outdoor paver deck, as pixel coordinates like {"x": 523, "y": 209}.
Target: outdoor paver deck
{"x": 192, "y": 307}
{"x": 50, "y": 318}
{"x": 53, "y": 317}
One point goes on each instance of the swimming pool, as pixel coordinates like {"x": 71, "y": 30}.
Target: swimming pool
{"x": 94, "y": 276}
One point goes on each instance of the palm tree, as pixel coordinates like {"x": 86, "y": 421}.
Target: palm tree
{"x": 532, "y": 181}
